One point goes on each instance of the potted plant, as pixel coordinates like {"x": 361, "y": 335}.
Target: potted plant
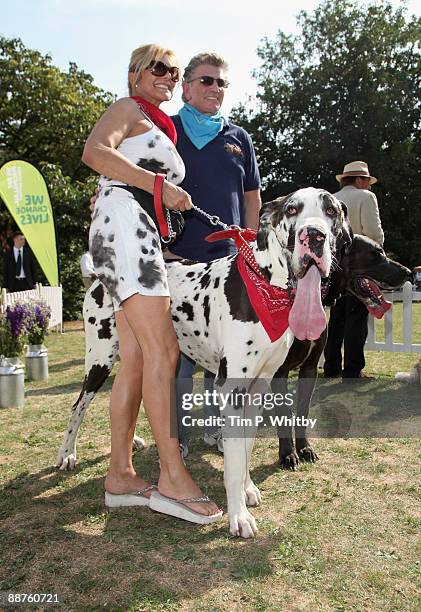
{"x": 13, "y": 323}
{"x": 37, "y": 328}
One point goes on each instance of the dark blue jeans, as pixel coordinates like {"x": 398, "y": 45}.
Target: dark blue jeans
{"x": 184, "y": 384}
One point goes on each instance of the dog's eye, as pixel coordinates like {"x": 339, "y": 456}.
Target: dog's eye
{"x": 330, "y": 211}
{"x": 291, "y": 211}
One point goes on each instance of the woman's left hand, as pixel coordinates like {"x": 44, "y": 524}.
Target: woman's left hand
{"x": 175, "y": 198}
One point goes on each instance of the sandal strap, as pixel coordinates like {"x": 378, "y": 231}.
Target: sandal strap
{"x": 190, "y": 500}
{"x": 146, "y": 490}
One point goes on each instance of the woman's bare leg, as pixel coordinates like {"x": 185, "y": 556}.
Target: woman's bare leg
{"x": 150, "y": 319}
{"x": 126, "y": 396}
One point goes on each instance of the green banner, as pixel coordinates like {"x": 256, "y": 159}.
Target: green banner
{"x": 23, "y": 190}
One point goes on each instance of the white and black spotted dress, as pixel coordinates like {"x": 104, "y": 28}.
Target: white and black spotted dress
{"x": 123, "y": 239}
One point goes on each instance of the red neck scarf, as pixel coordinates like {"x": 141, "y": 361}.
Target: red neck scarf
{"x": 158, "y": 117}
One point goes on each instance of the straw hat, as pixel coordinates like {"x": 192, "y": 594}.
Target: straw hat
{"x": 356, "y": 168}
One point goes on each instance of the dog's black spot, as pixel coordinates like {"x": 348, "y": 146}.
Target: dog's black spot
{"x": 196, "y": 332}
{"x": 216, "y": 283}
{"x": 249, "y": 342}
{"x": 222, "y": 372}
{"x": 122, "y": 278}
{"x": 206, "y": 309}
{"x": 111, "y": 238}
{"x": 196, "y": 297}
{"x": 141, "y": 233}
{"x": 145, "y": 250}
{"x": 154, "y": 243}
{"x": 151, "y": 144}
{"x": 237, "y": 298}
{"x": 206, "y": 334}
{"x": 150, "y": 273}
{"x": 98, "y": 295}
{"x": 107, "y": 219}
{"x": 187, "y": 309}
{"x": 190, "y": 274}
{"x": 91, "y": 320}
{"x": 205, "y": 280}
{"x": 96, "y": 377}
{"x": 238, "y": 397}
{"x": 244, "y": 370}
{"x": 105, "y": 329}
{"x": 175, "y": 318}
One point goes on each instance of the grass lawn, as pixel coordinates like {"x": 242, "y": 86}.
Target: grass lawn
{"x": 339, "y": 535}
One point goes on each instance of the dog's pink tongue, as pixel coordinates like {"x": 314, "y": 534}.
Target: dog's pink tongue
{"x": 307, "y": 318}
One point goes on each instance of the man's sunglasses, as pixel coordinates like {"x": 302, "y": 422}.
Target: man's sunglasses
{"x": 207, "y": 81}
{"x": 158, "y": 68}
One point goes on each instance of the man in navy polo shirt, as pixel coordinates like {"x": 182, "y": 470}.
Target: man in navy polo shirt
{"x": 222, "y": 178}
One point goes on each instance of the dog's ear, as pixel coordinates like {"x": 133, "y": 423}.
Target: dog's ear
{"x": 270, "y": 214}
{"x": 344, "y": 208}
{"x": 347, "y": 234}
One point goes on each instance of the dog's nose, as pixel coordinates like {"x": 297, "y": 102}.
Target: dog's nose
{"x": 314, "y": 237}
{"x": 316, "y": 234}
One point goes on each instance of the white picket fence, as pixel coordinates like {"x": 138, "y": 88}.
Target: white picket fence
{"x": 407, "y": 296}
{"x": 53, "y": 296}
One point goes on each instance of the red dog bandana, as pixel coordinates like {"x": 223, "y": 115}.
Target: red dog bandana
{"x": 271, "y": 304}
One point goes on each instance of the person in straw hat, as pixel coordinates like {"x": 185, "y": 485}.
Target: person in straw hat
{"x": 348, "y": 317}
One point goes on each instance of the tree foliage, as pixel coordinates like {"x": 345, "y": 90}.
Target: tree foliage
{"x": 45, "y": 117}
{"x": 346, "y": 87}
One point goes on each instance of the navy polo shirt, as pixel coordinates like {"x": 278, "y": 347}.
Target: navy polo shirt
{"x": 216, "y": 178}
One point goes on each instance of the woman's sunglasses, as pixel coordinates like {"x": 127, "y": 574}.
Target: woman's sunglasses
{"x": 207, "y": 81}
{"x": 158, "y": 68}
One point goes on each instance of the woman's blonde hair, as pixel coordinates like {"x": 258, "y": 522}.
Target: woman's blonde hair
{"x": 143, "y": 56}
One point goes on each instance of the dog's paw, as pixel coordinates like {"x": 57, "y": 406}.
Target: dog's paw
{"x": 243, "y": 525}
{"x": 138, "y": 443}
{"x": 308, "y": 454}
{"x": 252, "y": 495}
{"x": 290, "y": 461}
{"x": 66, "y": 461}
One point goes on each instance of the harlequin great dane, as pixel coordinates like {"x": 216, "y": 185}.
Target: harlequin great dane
{"x": 299, "y": 237}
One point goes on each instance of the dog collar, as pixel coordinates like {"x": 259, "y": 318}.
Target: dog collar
{"x": 241, "y": 237}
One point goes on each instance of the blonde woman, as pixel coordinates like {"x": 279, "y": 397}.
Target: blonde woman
{"x": 132, "y": 142}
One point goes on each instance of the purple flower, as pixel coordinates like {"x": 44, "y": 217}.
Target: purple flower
{"x": 20, "y": 317}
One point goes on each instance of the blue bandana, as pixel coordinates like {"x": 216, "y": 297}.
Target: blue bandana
{"x": 200, "y": 128}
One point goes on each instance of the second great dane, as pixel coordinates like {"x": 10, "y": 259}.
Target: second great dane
{"x": 299, "y": 238}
